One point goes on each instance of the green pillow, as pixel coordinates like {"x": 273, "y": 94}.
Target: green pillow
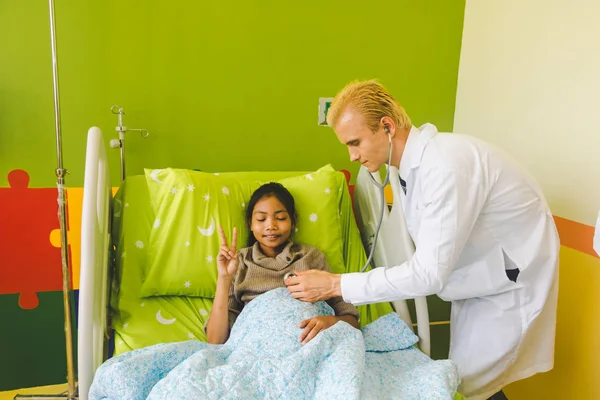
{"x": 189, "y": 206}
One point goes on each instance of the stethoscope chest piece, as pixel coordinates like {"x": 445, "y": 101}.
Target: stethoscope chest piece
{"x": 288, "y": 275}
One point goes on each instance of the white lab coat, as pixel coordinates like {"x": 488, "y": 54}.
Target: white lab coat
{"x": 473, "y": 213}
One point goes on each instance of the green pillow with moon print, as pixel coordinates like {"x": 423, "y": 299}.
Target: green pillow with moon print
{"x": 189, "y": 207}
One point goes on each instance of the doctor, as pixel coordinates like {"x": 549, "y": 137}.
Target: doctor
{"x": 485, "y": 240}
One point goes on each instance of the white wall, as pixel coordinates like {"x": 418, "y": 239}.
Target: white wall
{"x": 529, "y": 81}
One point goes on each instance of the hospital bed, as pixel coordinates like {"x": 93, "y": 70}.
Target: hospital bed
{"x": 115, "y": 298}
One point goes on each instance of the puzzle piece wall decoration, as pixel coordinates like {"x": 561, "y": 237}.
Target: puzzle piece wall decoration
{"x": 30, "y": 264}
{"x": 74, "y": 205}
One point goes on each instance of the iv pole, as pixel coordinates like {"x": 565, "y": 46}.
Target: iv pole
{"x": 62, "y": 216}
{"x": 120, "y": 142}
{"x": 61, "y": 172}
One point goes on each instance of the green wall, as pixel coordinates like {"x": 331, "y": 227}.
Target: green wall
{"x": 221, "y": 86}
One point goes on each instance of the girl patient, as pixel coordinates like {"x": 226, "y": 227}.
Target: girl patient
{"x": 260, "y": 267}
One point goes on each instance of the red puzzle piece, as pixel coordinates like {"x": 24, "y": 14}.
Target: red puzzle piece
{"x": 30, "y": 264}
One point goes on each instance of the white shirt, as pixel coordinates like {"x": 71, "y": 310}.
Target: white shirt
{"x": 472, "y": 213}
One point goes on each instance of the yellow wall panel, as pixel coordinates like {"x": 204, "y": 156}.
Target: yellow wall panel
{"x": 576, "y": 373}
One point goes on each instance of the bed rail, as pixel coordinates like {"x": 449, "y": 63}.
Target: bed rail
{"x": 394, "y": 245}
{"x": 95, "y": 243}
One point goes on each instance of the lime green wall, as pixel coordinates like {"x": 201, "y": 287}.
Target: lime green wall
{"x": 220, "y": 85}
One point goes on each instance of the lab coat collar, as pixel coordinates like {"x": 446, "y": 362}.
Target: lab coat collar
{"x": 415, "y": 145}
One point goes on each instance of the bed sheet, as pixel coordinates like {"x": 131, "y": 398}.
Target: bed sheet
{"x": 143, "y": 322}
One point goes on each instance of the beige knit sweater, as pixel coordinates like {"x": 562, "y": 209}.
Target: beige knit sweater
{"x": 258, "y": 274}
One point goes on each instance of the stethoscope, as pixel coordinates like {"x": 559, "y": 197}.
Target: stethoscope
{"x": 381, "y": 187}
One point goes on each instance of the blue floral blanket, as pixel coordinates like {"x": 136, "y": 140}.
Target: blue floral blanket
{"x": 263, "y": 359}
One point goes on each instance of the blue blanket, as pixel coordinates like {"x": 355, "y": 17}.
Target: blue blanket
{"x": 263, "y": 359}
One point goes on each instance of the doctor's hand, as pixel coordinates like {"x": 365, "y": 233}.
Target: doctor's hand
{"x": 227, "y": 260}
{"x": 314, "y": 285}
{"x": 313, "y": 326}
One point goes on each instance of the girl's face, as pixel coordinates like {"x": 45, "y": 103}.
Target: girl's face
{"x": 271, "y": 225}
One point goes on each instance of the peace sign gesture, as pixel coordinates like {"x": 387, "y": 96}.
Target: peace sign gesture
{"x": 227, "y": 260}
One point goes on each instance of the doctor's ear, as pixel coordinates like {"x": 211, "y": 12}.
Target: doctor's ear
{"x": 388, "y": 125}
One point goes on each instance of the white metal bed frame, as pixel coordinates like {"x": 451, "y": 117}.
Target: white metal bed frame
{"x": 95, "y": 273}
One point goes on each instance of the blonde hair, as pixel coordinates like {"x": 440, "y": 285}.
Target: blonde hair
{"x": 370, "y": 99}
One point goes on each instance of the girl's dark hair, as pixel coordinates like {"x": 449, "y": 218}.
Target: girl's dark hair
{"x": 276, "y": 190}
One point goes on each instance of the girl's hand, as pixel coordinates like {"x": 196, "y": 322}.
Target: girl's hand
{"x": 313, "y": 326}
{"x": 227, "y": 260}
